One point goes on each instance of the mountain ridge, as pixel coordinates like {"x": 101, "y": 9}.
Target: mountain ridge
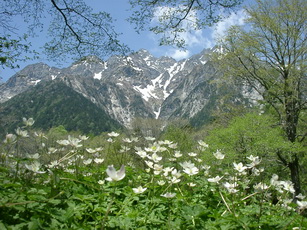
{"x": 138, "y": 85}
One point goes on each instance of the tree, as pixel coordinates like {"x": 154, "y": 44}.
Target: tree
{"x": 269, "y": 54}
{"x": 74, "y": 30}
{"x": 171, "y": 18}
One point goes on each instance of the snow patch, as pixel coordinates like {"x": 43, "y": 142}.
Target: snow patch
{"x": 158, "y": 80}
{"x": 53, "y": 77}
{"x": 146, "y": 92}
{"x": 148, "y": 62}
{"x": 98, "y": 75}
{"x": 137, "y": 68}
{"x": 157, "y": 113}
{"x": 202, "y": 61}
{"x": 35, "y": 82}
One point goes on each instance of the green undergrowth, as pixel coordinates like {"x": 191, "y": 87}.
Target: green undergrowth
{"x": 134, "y": 182}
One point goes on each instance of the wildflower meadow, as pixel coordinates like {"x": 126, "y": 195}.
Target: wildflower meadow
{"x": 120, "y": 181}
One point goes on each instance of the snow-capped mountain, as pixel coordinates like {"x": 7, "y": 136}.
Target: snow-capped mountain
{"x": 139, "y": 85}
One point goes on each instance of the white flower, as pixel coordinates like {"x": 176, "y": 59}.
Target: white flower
{"x": 231, "y": 187}
{"x": 189, "y": 168}
{"x": 165, "y": 142}
{"x": 199, "y": 160}
{"x": 135, "y": 139}
{"x": 72, "y": 141}
{"x": 155, "y": 148}
{"x": 124, "y": 149}
{"x": 176, "y": 173}
{"x": 22, "y": 133}
{"x": 98, "y": 160}
{"x": 149, "y": 164}
{"x": 300, "y": 196}
{"x": 139, "y": 190}
{"x": 239, "y": 167}
{"x": 53, "y": 164}
{"x": 191, "y": 184}
{"x": 34, "y": 156}
{"x": 83, "y": 138}
{"x": 10, "y": 138}
{"x": 157, "y": 172}
{"x": 88, "y": 161}
{"x": 158, "y": 167}
{"x": 52, "y": 150}
{"x": 70, "y": 170}
{"x": 34, "y": 167}
{"x": 174, "y": 180}
{"x": 254, "y": 161}
{"x": 113, "y": 134}
{"x": 177, "y": 154}
{"x": 192, "y": 154}
{"x": 173, "y": 145}
{"x": 40, "y": 134}
{"x": 155, "y": 158}
{"x": 191, "y": 171}
{"x": 206, "y": 167}
{"x": 203, "y": 144}
{"x": 274, "y": 180}
{"x": 302, "y": 204}
{"x": 169, "y": 195}
{"x": 167, "y": 170}
{"x": 110, "y": 140}
{"x": 288, "y": 186}
{"x": 115, "y": 175}
{"x": 141, "y": 154}
{"x": 28, "y": 122}
{"x": 63, "y": 142}
{"x": 161, "y": 182}
{"x": 260, "y": 187}
{"x": 215, "y": 179}
{"x": 127, "y": 140}
{"x": 256, "y": 171}
{"x": 252, "y": 158}
{"x": 218, "y": 155}
{"x": 101, "y": 182}
{"x": 90, "y": 150}
{"x": 187, "y": 164}
{"x": 150, "y": 138}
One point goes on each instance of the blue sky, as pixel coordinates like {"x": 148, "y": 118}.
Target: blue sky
{"x": 119, "y": 9}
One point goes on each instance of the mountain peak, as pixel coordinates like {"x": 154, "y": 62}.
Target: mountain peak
{"x": 126, "y": 87}
{"x": 88, "y": 59}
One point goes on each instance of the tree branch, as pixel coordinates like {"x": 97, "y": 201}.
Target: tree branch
{"x": 66, "y": 20}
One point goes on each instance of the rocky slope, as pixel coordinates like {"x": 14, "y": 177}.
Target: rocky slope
{"x": 139, "y": 85}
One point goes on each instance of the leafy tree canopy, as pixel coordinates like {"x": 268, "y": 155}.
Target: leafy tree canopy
{"x": 171, "y": 18}
{"x": 269, "y": 54}
{"x": 76, "y": 30}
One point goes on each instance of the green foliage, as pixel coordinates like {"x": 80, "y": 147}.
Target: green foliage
{"x": 180, "y": 135}
{"x": 13, "y": 50}
{"x": 52, "y": 106}
{"x": 69, "y": 184}
{"x": 170, "y": 18}
{"x": 74, "y": 30}
{"x": 253, "y": 134}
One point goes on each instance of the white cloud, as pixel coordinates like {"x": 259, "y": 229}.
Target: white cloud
{"x": 195, "y": 40}
{"x": 234, "y": 19}
{"x": 192, "y": 36}
{"x": 178, "y": 54}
